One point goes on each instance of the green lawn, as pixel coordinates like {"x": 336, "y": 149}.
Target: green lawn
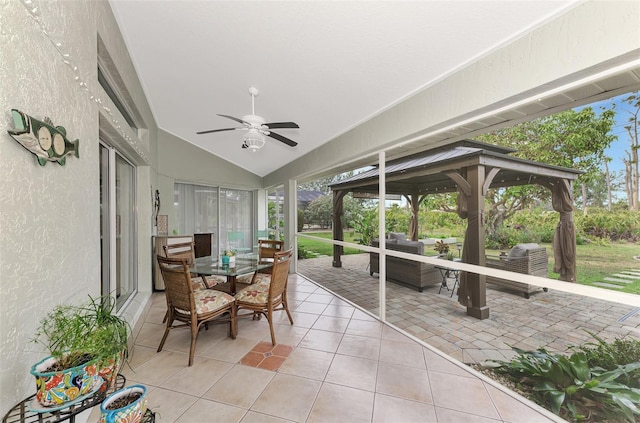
{"x": 323, "y": 248}
{"x": 594, "y": 262}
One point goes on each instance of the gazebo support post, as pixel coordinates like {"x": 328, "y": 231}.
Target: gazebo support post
{"x": 338, "y": 232}
{"x": 477, "y": 285}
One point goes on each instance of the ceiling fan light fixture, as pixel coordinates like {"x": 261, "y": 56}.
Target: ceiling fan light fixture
{"x": 253, "y": 139}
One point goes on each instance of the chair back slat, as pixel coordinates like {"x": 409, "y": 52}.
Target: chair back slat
{"x": 183, "y": 250}
{"x": 267, "y": 248}
{"x": 180, "y": 250}
{"x": 280, "y": 273}
{"x": 177, "y": 279}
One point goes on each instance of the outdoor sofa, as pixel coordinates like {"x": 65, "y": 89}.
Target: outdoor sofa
{"x": 529, "y": 259}
{"x": 413, "y": 274}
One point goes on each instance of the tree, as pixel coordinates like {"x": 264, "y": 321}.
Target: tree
{"x": 319, "y": 212}
{"x": 322, "y": 184}
{"x": 599, "y": 190}
{"x": 608, "y": 179}
{"x": 573, "y": 139}
{"x": 632, "y": 174}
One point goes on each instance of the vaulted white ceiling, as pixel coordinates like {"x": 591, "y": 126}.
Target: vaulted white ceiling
{"x": 327, "y": 66}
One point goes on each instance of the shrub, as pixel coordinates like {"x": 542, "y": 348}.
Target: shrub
{"x": 438, "y": 224}
{"x": 508, "y": 236}
{"x": 300, "y": 220}
{"x": 608, "y": 356}
{"x": 397, "y": 219}
{"x": 618, "y": 225}
{"x": 302, "y": 253}
{"x": 577, "y": 386}
{"x": 366, "y": 226}
{"x": 598, "y": 226}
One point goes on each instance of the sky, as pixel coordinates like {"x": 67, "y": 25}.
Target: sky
{"x": 617, "y": 149}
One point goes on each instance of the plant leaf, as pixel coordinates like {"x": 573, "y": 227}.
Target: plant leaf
{"x": 557, "y": 398}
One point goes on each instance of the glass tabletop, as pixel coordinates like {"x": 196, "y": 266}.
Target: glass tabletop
{"x": 210, "y": 265}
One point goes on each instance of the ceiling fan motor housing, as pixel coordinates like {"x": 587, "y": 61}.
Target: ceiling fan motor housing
{"x": 254, "y": 121}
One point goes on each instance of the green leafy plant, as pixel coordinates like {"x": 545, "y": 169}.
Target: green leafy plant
{"x": 609, "y": 355}
{"x": 77, "y": 334}
{"x": 366, "y": 225}
{"x": 568, "y": 386}
{"x": 302, "y": 252}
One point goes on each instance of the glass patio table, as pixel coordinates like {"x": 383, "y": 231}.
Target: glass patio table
{"x": 211, "y": 266}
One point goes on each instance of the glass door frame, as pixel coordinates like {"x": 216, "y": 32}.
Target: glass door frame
{"x": 108, "y": 196}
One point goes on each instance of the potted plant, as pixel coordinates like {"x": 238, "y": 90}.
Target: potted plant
{"x": 125, "y": 405}
{"x": 442, "y": 248}
{"x": 228, "y": 257}
{"x": 86, "y": 343}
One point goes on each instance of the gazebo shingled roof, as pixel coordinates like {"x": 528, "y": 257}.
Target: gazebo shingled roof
{"x": 425, "y": 173}
{"x": 470, "y": 168}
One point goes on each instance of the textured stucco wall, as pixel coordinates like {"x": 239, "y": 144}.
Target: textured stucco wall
{"x": 49, "y": 216}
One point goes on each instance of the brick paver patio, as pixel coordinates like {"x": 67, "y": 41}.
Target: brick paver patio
{"x": 554, "y": 320}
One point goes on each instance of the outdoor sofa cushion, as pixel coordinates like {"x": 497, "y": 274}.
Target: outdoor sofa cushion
{"x": 397, "y": 235}
{"x": 520, "y": 250}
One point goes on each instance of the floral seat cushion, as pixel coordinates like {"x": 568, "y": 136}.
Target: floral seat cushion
{"x": 263, "y": 278}
{"x": 259, "y": 278}
{"x": 197, "y": 283}
{"x": 258, "y": 293}
{"x": 211, "y": 281}
{"x": 245, "y": 278}
{"x": 208, "y": 300}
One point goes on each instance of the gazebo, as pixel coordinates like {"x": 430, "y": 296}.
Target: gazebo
{"x": 469, "y": 168}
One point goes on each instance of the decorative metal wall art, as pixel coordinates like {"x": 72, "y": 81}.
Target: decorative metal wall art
{"x": 163, "y": 224}
{"x": 49, "y": 143}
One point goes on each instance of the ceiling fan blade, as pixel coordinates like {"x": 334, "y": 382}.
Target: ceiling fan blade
{"x": 217, "y": 130}
{"x": 282, "y": 139}
{"x": 236, "y": 119}
{"x": 282, "y": 125}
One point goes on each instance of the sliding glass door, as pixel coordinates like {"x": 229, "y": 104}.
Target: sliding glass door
{"x": 117, "y": 225}
{"x": 236, "y": 220}
{"x": 276, "y": 212}
{"x": 197, "y": 211}
{"x": 226, "y": 213}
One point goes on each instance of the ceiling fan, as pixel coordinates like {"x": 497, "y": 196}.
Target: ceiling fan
{"x": 256, "y": 127}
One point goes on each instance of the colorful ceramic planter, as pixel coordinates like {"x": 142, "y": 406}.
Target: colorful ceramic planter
{"x": 60, "y": 387}
{"x": 109, "y": 369}
{"x": 131, "y": 413}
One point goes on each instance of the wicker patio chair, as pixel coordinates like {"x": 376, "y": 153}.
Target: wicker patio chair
{"x": 264, "y": 299}
{"x": 528, "y": 259}
{"x": 186, "y": 250}
{"x": 192, "y": 308}
{"x": 266, "y": 249}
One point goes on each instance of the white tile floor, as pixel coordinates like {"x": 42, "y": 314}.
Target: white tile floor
{"x": 345, "y": 366}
